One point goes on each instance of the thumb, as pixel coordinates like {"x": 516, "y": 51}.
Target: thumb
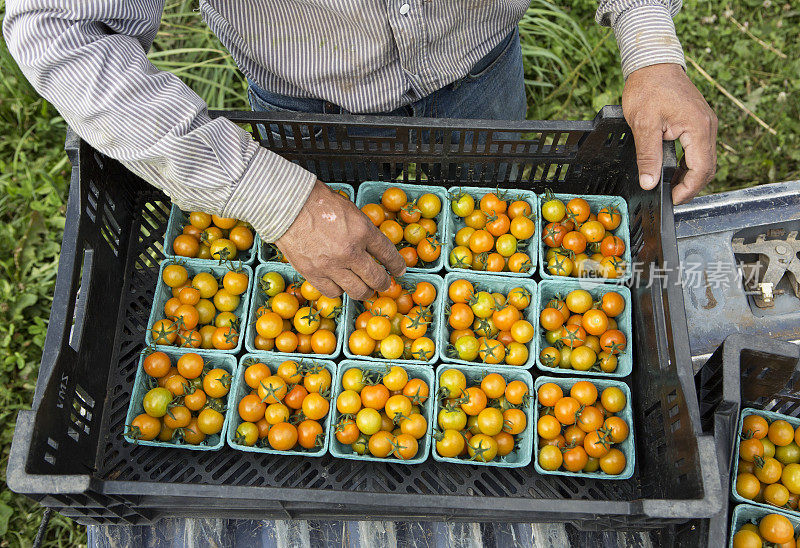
{"x": 647, "y": 137}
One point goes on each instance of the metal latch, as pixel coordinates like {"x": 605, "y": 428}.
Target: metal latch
{"x": 777, "y": 255}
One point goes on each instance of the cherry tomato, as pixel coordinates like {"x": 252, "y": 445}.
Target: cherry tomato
{"x": 210, "y": 421}
{"x": 553, "y": 210}
{"x": 593, "y": 231}
{"x": 156, "y": 364}
{"x": 192, "y": 433}
{"x": 223, "y": 249}
{"x": 347, "y": 432}
{"x": 550, "y": 457}
{"x": 375, "y": 213}
{"x": 548, "y": 427}
{"x": 247, "y": 434}
{"x": 416, "y": 390}
{"x": 493, "y": 385}
{"x": 613, "y": 341}
{"x": 282, "y": 436}
{"x": 309, "y": 434}
{"x": 461, "y": 257}
{"x": 461, "y": 291}
{"x": 315, "y": 406}
{"x": 585, "y": 392}
{"x": 549, "y": 393}
{"x": 747, "y": 485}
{"x": 613, "y": 463}
{"x": 272, "y": 283}
{"x": 514, "y": 421}
{"x": 360, "y": 343}
{"x": 424, "y": 294}
{"x": 522, "y": 228}
{"x": 353, "y": 379}
{"x": 754, "y": 426}
{"x": 323, "y": 341}
{"x": 551, "y": 319}
{"x": 573, "y": 336}
{"x": 566, "y": 410}
{"x": 609, "y": 217}
{"x": 482, "y": 448}
{"x": 578, "y": 210}
{"x": 506, "y": 317}
{"x": 393, "y": 199}
{"x": 429, "y": 205}
{"x": 554, "y": 234}
{"x": 776, "y": 528}
{"x": 560, "y": 266}
{"x": 368, "y": 421}
{"x": 575, "y": 459}
{"x": 613, "y": 399}
{"x": 145, "y": 427}
{"x": 462, "y": 204}
{"x": 519, "y": 297}
{"x": 491, "y": 351}
{"x": 595, "y": 444}
{"x": 780, "y": 433}
{"x": 450, "y": 443}
{"x": 612, "y": 304}
{"x": 751, "y": 448}
{"x": 574, "y": 241}
{"x": 235, "y": 283}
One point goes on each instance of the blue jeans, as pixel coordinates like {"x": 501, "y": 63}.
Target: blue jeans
{"x": 493, "y": 90}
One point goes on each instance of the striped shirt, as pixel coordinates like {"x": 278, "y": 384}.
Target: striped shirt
{"x": 88, "y": 58}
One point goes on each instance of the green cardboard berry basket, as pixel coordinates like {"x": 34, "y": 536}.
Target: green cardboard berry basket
{"x": 628, "y": 447}
{"x": 474, "y": 373}
{"x": 267, "y": 252}
{"x": 179, "y": 218}
{"x": 747, "y": 513}
{"x": 595, "y": 202}
{"x": 770, "y": 416}
{"x": 415, "y": 371}
{"x": 193, "y": 267}
{"x": 239, "y": 390}
{"x": 370, "y": 192}
{"x": 143, "y": 383}
{"x": 353, "y": 308}
{"x": 489, "y": 283}
{"x": 258, "y": 298}
{"x": 455, "y": 223}
{"x": 549, "y": 288}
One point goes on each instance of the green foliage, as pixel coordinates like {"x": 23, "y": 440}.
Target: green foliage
{"x": 745, "y": 65}
{"x": 571, "y": 70}
{"x": 33, "y": 183}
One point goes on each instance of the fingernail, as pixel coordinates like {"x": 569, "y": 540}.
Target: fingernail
{"x": 646, "y": 181}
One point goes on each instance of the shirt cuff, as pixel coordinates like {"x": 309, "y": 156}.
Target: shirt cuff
{"x": 270, "y": 194}
{"x": 646, "y": 36}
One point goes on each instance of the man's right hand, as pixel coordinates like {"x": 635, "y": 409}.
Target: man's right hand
{"x": 333, "y": 245}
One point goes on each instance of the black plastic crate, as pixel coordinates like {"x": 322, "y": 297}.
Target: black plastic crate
{"x": 68, "y": 452}
{"x": 745, "y": 371}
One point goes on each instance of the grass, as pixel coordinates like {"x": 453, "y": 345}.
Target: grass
{"x": 744, "y": 58}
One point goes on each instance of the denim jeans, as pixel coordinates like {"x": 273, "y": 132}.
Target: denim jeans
{"x": 492, "y": 90}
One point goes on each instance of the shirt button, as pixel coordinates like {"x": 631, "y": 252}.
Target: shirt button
{"x": 404, "y": 9}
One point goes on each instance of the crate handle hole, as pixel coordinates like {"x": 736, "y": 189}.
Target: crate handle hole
{"x": 81, "y": 298}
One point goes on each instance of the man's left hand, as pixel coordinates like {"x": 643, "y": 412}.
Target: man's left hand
{"x": 660, "y": 102}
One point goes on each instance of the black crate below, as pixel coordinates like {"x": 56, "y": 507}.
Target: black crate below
{"x": 745, "y": 371}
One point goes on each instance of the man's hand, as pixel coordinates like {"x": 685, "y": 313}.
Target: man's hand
{"x": 332, "y": 244}
{"x": 660, "y": 102}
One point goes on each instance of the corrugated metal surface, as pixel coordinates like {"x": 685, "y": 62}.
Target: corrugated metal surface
{"x": 174, "y": 533}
